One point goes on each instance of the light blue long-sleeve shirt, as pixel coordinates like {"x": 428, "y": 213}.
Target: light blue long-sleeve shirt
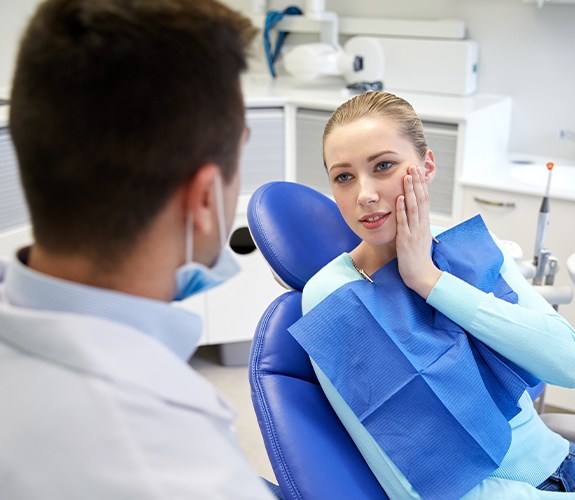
{"x": 530, "y": 333}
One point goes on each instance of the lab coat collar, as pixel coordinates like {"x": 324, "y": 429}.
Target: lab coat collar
{"x": 177, "y": 329}
{"x": 110, "y": 351}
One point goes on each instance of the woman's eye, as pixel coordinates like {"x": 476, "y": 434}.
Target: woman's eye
{"x": 343, "y": 177}
{"x": 384, "y": 165}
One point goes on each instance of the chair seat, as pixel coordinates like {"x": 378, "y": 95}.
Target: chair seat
{"x": 561, "y": 423}
{"x": 311, "y": 453}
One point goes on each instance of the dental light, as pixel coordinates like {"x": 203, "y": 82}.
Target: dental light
{"x": 360, "y": 60}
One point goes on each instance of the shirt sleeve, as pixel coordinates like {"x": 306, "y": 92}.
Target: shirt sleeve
{"x": 530, "y": 333}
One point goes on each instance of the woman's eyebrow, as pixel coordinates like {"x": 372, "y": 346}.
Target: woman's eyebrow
{"x": 381, "y": 153}
{"x": 338, "y": 165}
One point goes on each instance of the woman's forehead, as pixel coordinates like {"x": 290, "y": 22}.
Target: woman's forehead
{"x": 363, "y": 125}
{"x": 362, "y": 130}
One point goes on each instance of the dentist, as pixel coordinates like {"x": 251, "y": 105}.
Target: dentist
{"x": 128, "y": 122}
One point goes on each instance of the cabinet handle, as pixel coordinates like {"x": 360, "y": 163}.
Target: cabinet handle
{"x": 498, "y": 204}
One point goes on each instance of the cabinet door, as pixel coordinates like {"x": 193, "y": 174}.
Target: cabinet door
{"x": 441, "y": 139}
{"x": 13, "y": 211}
{"x": 511, "y": 216}
{"x": 514, "y": 216}
{"x": 14, "y": 220}
{"x": 263, "y": 155}
{"x": 309, "y": 155}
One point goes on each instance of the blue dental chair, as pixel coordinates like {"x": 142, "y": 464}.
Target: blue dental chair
{"x": 310, "y": 451}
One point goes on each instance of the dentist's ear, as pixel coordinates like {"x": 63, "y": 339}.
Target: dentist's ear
{"x": 199, "y": 198}
{"x": 429, "y": 167}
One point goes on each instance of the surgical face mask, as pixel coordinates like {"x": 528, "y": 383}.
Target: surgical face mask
{"x": 193, "y": 277}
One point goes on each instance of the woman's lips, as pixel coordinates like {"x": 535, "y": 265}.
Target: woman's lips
{"x": 373, "y": 221}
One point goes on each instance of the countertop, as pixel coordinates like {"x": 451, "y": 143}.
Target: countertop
{"x": 525, "y": 174}
{"x": 262, "y": 91}
{"x": 4, "y": 108}
{"x": 3, "y": 116}
{"x": 327, "y": 94}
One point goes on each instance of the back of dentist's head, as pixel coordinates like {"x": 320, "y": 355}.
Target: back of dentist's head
{"x": 117, "y": 103}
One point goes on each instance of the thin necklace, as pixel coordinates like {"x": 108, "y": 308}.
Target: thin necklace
{"x": 361, "y": 272}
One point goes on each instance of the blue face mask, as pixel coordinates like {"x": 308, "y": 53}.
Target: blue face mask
{"x": 193, "y": 277}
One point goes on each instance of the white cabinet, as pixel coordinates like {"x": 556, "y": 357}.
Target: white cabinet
{"x": 513, "y": 216}
{"x": 263, "y": 155}
{"x": 309, "y": 167}
{"x": 14, "y": 229}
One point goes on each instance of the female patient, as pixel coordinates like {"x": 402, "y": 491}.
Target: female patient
{"x": 379, "y": 167}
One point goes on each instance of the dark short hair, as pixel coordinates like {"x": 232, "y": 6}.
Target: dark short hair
{"x": 117, "y": 103}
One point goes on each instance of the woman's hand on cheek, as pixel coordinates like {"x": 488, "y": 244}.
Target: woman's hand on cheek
{"x": 414, "y": 235}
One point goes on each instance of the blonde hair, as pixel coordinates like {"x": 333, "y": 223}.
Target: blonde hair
{"x": 379, "y": 105}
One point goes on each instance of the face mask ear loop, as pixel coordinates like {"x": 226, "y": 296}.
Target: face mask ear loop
{"x": 220, "y": 210}
{"x": 189, "y": 238}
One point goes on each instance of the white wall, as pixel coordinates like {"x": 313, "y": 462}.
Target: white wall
{"x": 13, "y": 17}
{"x": 525, "y": 52}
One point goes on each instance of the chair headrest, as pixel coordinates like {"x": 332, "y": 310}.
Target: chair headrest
{"x": 298, "y": 230}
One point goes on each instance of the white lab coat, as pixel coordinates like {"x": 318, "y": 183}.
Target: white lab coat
{"x": 93, "y": 409}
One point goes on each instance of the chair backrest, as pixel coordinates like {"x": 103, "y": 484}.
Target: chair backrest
{"x": 298, "y": 231}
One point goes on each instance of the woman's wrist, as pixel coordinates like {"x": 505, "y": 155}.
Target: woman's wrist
{"x": 426, "y": 282}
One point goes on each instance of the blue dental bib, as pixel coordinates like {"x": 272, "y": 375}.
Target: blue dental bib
{"x": 433, "y": 397}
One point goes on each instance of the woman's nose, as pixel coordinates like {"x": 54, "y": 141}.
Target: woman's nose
{"x": 367, "y": 193}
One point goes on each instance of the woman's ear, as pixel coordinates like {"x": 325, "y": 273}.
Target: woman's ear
{"x": 429, "y": 166}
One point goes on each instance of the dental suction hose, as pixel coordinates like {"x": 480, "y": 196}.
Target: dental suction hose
{"x": 541, "y": 255}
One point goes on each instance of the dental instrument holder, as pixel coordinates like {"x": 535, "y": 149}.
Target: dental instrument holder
{"x": 541, "y": 268}
{"x": 545, "y": 265}
{"x": 544, "y": 279}
{"x": 553, "y": 267}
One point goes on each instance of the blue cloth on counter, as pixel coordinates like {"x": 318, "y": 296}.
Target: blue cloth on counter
{"x": 273, "y": 17}
{"x": 435, "y": 399}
